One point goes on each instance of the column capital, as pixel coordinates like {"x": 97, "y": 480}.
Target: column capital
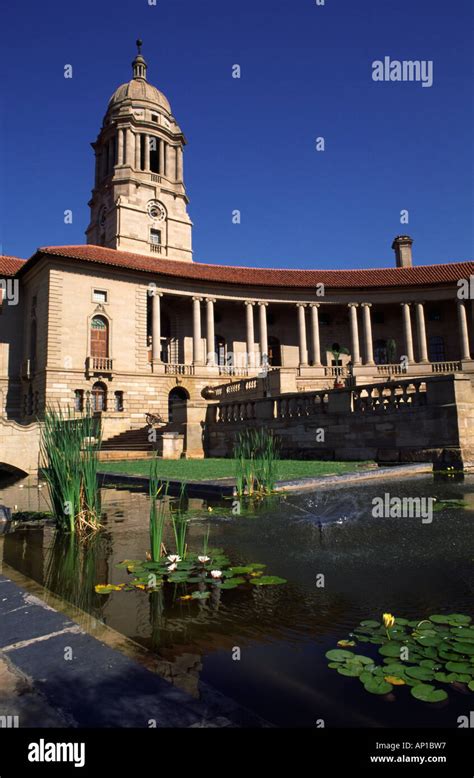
{"x": 315, "y": 305}
{"x": 249, "y": 302}
{"x": 301, "y": 305}
{"x": 402, "y": 304}
{"x": 197, "y": 299}
{"x": 366, "y": 305}
{"x": 352, "y": 305}
{"x": 263, "y": 304}
{"x": 210, "y": 299}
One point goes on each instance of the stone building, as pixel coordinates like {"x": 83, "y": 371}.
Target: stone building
{"x": 130, "y": 325}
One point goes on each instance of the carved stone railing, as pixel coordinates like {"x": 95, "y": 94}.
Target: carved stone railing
{"x": 233, "y": 370}
{"x": 336, "y": 371}
{"x": 100, "y": 365}
{"x": 301, "y": 405}
{"x": 392, "y": 369}
{"x": 446, "y": 367}
{"x": 384, "y": 398}
{"x": 291, "y": 406}
{"x": 178, "y": 369}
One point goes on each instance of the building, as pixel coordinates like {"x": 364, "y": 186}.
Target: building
{"x": 130, "y": 325}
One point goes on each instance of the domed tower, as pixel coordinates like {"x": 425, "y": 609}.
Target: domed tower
{"x": 139, "y": 200}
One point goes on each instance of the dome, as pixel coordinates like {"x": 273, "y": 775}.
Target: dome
{"x": 139, "y": 89}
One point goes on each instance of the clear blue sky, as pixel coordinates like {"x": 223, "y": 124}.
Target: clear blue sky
{"x": 306, "y": 72}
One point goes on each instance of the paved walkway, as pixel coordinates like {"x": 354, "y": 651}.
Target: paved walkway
{"x": 52, "y": 673}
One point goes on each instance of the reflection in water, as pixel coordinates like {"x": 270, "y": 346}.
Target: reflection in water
{"x": 370, "y": 566}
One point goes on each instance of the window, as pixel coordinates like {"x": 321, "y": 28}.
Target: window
{"x": 436, "y": 349}
{"x": 99, "y": 296}
{"x": 79, "y": 400}
{"x": 155, "y": 237}
{"x": 274, "y": 351}
{"x": 380, "y": 352}
{"x": 379, "y": 317}
{"x": 99, "y": 337}
{"x": 154, "y": 117}
{"x": 99, "y": 397}
{"x": 118, "y": 401}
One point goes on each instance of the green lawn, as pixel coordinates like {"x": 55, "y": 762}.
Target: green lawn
{"x": 210, "y": 469}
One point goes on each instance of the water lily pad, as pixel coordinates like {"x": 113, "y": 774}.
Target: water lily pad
{"x": 241, "y": 570}
{"x": 338, "y": 655}
{"x": 370, "y": 623}
{"x": 470, "y": 686}
{"x": 394, "y": 680}
{"x": 351, "y": 669}
{"x": 463, "y": 648}
{"x": 427, "y": 640}
{"x": 427, "y": 693}
{"x": 446, "y": 677}
{"x": 346, "y": 643}
{"x": 460, "y": 667}
{"x": 200, "y": 595}
{"x": 107, "y": 588}
{"x": 421, "y": 673}
{"x": 365, "y": 676}
{"x": 390, "y": 649}
{"x": 378, "y": 686}
{"x": 268, "y": 580}
{"x": 128, "y": 562}
{"x": 231, "y": 583}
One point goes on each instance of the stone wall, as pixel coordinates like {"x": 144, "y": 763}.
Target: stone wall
{"x": 19, "y": 446}
{"x": 419, "y": 420}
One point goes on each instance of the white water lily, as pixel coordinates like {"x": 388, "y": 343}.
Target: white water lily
{"x": 204, "y": 559}
{"x": 174, "y": 558}
{"x": 216, "y": 573}
{"x": 172, "y": 567}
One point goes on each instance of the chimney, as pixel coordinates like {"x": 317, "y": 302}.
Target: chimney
{"x": 402, "y": 247}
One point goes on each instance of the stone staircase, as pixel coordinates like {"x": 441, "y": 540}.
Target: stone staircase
{"x": 131, "y": 440}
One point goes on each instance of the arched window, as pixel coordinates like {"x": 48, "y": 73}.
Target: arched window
{"x": 99, "y": 397}
{"x": 177, "y": 399}
{"x": 274, "y": 351}
{"x": 99, "y": 337}
{"x": 436, "y": 349}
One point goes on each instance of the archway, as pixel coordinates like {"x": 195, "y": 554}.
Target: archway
{"x": 177, "y": 405}
{"x": 99, "y": 337}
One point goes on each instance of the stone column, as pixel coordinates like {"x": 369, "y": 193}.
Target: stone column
{"x": 138, "y": 140}
{"x": 315, "y": 334}
{"x": 369, "y": 346}
{"x": 156, "y": 327}
{"x": 120, "y": 146}
{"x": 129, "y": 147}
{"x": 463, "y": 331}
{"x": 170, "y": 162}
{"x": 211, "y": 338}
{"x": 263, "y": 334}
{"x": 355, "y": 348}
{"x": 197, "y": 345}
{"x": 147, "y": 153}
{"x": 179, "y": 163}
{"x": 410, "y": 353}
{"x": 250, "y": 334}
{"x": 421, "y": 331}
{"x": 111, "y": 153}
{"x": 162, "y": 157}
{"x": 302, "y": 335}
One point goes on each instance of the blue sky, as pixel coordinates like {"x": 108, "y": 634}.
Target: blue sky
{"x": 306, "y": 73}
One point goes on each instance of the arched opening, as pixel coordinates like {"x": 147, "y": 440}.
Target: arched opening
{"x": 99, "y": 397}
{"x": 99, "y": 337}
{"x": 177, "y": 402}
{"x": 274, "y": 351}
{"x": 436, "y": 349}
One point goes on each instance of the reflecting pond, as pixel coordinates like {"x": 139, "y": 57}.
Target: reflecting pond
{"x": 342, "y": 566}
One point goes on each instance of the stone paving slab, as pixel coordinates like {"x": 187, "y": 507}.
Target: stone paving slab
{"x": 89, "y": 684}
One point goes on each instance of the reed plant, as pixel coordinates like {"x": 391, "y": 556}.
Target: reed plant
{"x": 157, "y": 511}
{"x": 180, "y": 525}
{"x": 255, "y": 456}
{"x": 69, "y": 449}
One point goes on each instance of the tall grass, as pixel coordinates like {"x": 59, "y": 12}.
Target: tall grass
{"x": 69, "y": 448}
{"x": 255, "y": 456}
{"x": 157, "y": 511}
{"x": 180, "y": 525}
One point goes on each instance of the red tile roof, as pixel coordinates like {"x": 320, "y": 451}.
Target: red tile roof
{"x": 422, "y": 275}
{"x": 10, "y": 265}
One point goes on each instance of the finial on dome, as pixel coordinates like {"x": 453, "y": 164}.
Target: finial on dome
{"x": 139, "y": 64}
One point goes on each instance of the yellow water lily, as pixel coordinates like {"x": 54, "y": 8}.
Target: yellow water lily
{"x": 388, "y": 620}
{"x": 186, "y": 597}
